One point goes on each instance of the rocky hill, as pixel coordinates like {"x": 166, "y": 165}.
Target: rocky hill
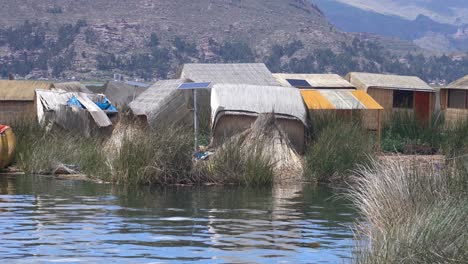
{"x": 124, "y": 27}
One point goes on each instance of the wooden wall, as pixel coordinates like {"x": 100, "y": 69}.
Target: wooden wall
{"x": 453, "y": 115}
{"x": 12, "y": 111}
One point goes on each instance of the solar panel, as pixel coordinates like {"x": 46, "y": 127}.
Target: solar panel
{"x": 194, "y": 85}
{"x": 299, "y": 83}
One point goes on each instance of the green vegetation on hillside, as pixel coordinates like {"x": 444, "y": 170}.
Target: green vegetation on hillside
{"x": 35, "y": 46}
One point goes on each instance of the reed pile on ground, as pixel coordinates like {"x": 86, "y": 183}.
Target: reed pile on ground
{"x": 259, "y": 156}
{"x": 411, "y": 215}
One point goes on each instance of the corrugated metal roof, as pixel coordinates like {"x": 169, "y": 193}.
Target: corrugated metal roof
{"x": 241, "y": 73}
{"x": 154, "y": 97}
{"x": 461, "y": 83}
{"x": 19, "y": 90}
{"x": 341, "y": 100}
{"x": 387, "y": 81}
{"x": 255, "y": 99}
{"x": 316, "y": 80}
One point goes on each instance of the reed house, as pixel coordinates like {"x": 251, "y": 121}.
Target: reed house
{"x": 235, "y": 107}
{"x": 397, "y": 93}
{"x": 330, "y": 93}
{"x": 454, "y": 100}
{"x": 17, "y": 99}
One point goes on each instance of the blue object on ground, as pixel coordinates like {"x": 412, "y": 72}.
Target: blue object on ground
{"x": 105, "y": 105}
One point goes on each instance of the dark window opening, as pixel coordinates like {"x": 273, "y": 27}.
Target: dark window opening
{"x": 403, "y": 99}
{"x": 458, "y": 99}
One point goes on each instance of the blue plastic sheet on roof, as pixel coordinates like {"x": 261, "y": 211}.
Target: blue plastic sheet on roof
{"x": 105, "y": 105}
{"x": 73, "y": 101}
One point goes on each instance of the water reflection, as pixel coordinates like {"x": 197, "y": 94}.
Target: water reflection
{"x": 43, "y": 219}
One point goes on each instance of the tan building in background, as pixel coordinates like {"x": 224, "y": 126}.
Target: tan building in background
{"x": 397, "y": 93}
{"x": 454, "y": 100}
{"x": 17, "y": 99}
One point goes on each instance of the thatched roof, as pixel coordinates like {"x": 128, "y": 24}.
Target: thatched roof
{"x": 76, "y": 87}
{"x": 121, "y": 93}
{"x": 155, "y": 97}
{"x": 241, "y": 73}
{"x": 387, "y": 81}
{"x": 163, "y": 104}
{"x": 461, "y": 83}
{"x": 19, "y": 90}
{"x": 253, "y": 100}
{"x": 318, "y": 81}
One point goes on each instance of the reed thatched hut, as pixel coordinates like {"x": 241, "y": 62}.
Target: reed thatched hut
{"x": 231, "y": 73}
{"x": 17, "y": 99}
{"x": 454, "y": 100}
{"x": 235, "y": 107}
{"x": 397, "y": 93}
{"x": 164, "y": 104}
{"x": 122, "y": 93}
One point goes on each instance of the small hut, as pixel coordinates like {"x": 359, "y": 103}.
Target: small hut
{"x": 324, "y": 93}
{"x": 17, "y": 99}
{"x": 397, "y": 93}
{"x": 234, "y": 73}
{"x": 164, "y": 104}
{"x": 235, "y": 107}
{"x": 71, "y": 111}
{"x": 122, "y": 93}
{"x": 454, "y": 100}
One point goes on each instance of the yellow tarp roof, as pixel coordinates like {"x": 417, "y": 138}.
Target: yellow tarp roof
{"x": 333, "y": 99}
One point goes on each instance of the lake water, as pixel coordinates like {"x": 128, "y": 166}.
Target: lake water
{"x": 45, "y": 220}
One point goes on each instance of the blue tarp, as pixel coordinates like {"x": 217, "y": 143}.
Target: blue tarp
{"x": 105, "y": 105}
{"x": 75, "y": 102}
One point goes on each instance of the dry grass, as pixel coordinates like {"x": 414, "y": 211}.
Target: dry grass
{"x": 411, "y": 215}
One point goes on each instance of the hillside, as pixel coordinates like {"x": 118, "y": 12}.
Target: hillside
{"x": 453, "y": 12}
{"x": 424, "y": 30}
{"x": 124, "y": 27}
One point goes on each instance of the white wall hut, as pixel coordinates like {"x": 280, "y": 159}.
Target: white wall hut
{"x": 234, "y": 107}
{"x": 164, "y": 104}
{"x": 397, "y": 93}
{"x": 454, "y": 100}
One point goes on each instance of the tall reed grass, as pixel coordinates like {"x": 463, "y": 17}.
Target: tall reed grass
{"x": 40, "y": 152}
{"x": 162, "y": 156}
{"x": 336, "y": 147}
{"x": 411, "y": 215}
{"x": 241, "y": 165}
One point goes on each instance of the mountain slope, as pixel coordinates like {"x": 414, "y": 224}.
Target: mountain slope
{"x": 443, "y": 11}
{"x": 64, "y": 37}
{"x": 423, "y": 30}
